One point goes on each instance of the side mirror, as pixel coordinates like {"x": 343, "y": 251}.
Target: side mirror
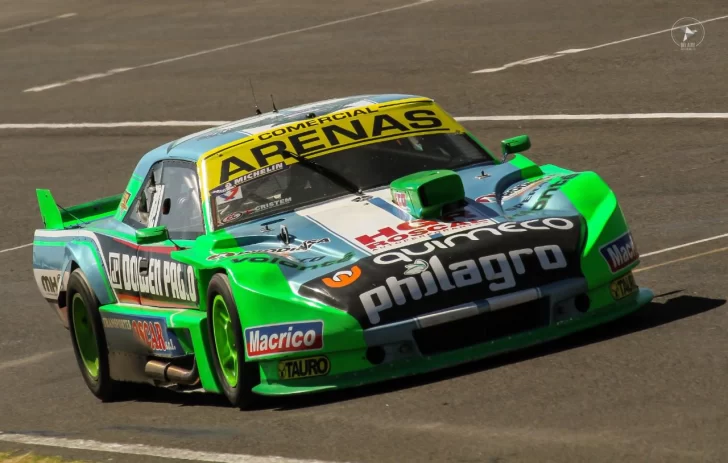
{"x": 515, "y": 145}
{"x": 152, "y": 235}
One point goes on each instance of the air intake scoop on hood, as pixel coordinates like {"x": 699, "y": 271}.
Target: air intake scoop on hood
{"x": 426, "y": 194}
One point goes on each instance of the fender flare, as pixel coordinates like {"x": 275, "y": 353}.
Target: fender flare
{"x": 87, "y": 257}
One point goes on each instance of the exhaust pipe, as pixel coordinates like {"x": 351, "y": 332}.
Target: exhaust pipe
{"x": 165, "y": 371}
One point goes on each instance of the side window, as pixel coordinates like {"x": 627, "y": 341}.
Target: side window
{"x": 180, "y": 201}
{"x": 139, "y": 212}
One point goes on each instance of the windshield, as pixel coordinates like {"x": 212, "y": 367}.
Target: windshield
{"x": 281, "y": 187}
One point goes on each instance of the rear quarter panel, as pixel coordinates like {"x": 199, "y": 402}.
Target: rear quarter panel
{"x": 56, "y": 253}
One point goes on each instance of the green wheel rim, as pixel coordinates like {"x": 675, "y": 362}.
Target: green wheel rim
{"x": 85, "y": 339}
{"x": 225, "y": 347}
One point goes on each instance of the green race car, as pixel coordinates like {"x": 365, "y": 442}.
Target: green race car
{"x": 326, "y": 246}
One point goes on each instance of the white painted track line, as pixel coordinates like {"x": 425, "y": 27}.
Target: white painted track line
{"x": 144, "y": 450}
{"x": 225, "y": 47}
{"x": 16, "y": 247}
{"x": 682, "y": 259}
{"x": 111, "y": 125}
{"x": 573, "y": 51}
{"x": 542, "y": 117}
{"x": 31, "y": 359}
{"x": 589, "y": 117}
{"x": 42, "y": 21}
{"x": 684, "y": 245}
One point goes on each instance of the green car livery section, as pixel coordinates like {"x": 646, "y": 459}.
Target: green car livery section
{"x": 445, "y": 272}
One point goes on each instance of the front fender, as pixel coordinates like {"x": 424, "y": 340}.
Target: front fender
{"x": 605, "y": 223}
{"x": 264, "y": 297}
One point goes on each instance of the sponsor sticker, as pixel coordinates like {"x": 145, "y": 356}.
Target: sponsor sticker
{"x": 334, "y": 132}
{"x": 623, "y": 286}
{"x": 417, "y": 230}
{"x": 400, "y": 198}
{"x": 454, "y": 269}
{"x": 513, "y": 191}
{"x": 343, "y": 277}
{"x": 307, "y": 263}
{"x": 427, "y": 278}
{"x": 229, "y": 195}
{"x": 305, "y": 246}
{"x": 261, "y": 341}
{"x": 304, "y": 367}
{"x": 543, "y": 200}
{"x": 620, "y": 253}
{"x": 48, "y": 281}
{"x": 150, "y": 331}
{"x": 124, "y": 201}
{"x": 164, "y": 278}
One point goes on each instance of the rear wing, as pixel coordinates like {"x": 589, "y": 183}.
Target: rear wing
{"x": 56, "y": 218}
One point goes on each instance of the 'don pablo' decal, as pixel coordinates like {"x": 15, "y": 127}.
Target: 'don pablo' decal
{"x": 163, "y": 281}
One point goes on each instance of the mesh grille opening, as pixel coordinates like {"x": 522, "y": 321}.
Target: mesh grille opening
{"x": 483, "y": 327}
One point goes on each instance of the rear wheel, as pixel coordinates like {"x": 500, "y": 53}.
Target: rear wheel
{"x": 87, "y": 336}
{"x": 236, "y": 376}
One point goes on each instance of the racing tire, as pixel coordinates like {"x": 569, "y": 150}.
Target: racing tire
{"x": 236, "y": 376}
{"x": 88, "y": 338}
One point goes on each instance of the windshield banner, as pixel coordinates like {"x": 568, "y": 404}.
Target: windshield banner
{"x": 265, "y": 153}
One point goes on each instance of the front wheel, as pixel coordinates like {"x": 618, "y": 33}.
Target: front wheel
{"x": 87, "y": 336}
{"x": 236, "y": 376}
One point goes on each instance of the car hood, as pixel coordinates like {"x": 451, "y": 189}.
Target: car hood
{"x": 367, "y": 256}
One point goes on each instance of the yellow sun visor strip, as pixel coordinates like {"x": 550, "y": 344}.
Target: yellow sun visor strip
{"x": 265, "y": 152}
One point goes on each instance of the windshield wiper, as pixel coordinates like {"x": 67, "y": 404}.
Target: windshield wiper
{"x": 326, "y": 172}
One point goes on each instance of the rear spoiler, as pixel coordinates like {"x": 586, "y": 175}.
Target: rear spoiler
{"x": 56, "y": 218}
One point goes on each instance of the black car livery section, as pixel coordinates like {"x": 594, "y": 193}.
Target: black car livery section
{"x": 161, "y": 281}
{"x": 315, "y": 141}
{"x": 305, "y": 246}
{"x": 444, "y": 272}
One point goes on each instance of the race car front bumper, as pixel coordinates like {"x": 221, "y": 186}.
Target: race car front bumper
{"x": 451, "y": 337}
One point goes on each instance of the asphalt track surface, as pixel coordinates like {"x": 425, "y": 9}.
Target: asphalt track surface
{"x": 650, "y": 387}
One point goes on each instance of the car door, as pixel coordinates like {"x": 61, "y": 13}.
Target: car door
{"x": 122, "y": 252}
{"x": 176, "y": 205}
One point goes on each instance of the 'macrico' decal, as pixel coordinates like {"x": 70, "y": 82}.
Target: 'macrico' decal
{"x": 469, "y": 265}
{"x": 285, "y": 337}
{"x": 620, "y": 252}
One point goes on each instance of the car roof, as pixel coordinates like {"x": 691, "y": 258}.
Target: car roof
{"x": 193, "y": 146}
